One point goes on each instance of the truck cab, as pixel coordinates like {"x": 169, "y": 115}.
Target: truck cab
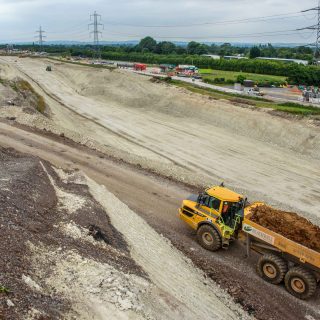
{"x": 216, "y": 214}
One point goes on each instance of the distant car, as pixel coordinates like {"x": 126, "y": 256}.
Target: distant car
{"x": 255, "y": 92}
{"x": 183, "y": 75}
{"x": 48, "y": 68}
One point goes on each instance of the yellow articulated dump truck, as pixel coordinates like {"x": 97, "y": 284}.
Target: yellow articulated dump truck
{"x": 220, "y": 216}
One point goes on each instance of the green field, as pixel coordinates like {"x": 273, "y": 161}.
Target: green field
{"x": 232, "y": 76}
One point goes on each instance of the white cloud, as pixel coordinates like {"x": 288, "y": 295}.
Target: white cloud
{"x": 68, "y": 19}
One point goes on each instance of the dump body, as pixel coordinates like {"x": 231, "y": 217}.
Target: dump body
{"x": 296, "y": 251}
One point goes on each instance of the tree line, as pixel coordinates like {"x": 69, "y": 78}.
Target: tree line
{"x": 150, "y": 51}
{"x": 150, "y": 45}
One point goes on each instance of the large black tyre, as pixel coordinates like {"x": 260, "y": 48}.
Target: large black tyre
{"x": 300, "y": 282}
{"x": 209, "y": 238}
{"x": 272, "y": 268}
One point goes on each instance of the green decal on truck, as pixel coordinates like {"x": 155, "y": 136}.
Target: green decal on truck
{"x": 258, "y": 234}
{"x": 247, "y": 228}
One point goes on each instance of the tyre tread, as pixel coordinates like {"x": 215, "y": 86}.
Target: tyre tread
{"x": 276, "y": 260}
{"x": 217, "y": 243}
{"x": 308, "y": 276}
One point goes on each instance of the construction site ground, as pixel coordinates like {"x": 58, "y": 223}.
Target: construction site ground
{"x": 154, "y": 145}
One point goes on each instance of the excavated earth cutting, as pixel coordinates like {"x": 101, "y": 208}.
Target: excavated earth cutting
{"x": 177, "y": 133}
{"x": 198, "y": 141}
{"x": 289, "y": 225}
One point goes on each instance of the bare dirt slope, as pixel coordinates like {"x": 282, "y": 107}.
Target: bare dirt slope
{"x": 187, "y": 136}
{"x": 156, "y": 200}
{"x": 40, "y": 213}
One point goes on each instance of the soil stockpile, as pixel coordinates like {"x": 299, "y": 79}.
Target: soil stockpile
{"x": 288, "y": 224}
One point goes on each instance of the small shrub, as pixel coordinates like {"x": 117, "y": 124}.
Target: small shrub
{"x": 230, "y": 81}
{"x": 4, "y": 289}
{"x": 208, "y": 80}
{"x": 219, "y": 80}
{"x": 241, "y": 78}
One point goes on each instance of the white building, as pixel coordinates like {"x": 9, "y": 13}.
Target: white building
{"x": 304, "y": 62}
{"x": 237, "y": 57}
{"x": 212, "y": 56}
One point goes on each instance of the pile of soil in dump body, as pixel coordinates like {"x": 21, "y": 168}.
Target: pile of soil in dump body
{"x": 289, "y": 225}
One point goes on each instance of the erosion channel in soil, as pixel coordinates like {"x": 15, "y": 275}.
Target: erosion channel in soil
{"x": 289, "y": 225}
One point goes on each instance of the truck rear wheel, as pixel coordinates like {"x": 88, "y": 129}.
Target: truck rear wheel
{"x": 272, "y": 268}
{"x": 300, "y": 282}
{"x": 209, "y": 238}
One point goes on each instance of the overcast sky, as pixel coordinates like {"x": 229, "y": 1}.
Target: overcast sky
{"x": 181, "y": 20}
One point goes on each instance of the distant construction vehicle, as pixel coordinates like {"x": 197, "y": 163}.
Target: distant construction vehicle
{"x": 220, "y": 216}
{"x": 140, "y": 67}
{"x": 48, "y": 68}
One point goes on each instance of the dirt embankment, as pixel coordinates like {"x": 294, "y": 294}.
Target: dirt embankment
{"x": 61, "y": 219}
{"x": 288, "y": 224}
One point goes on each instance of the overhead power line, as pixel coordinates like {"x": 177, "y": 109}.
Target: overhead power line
{"x": 267, "y": 33}
{"x": 79, "y": 26}
{"x": 41, "y": 37}
{"x": 96, "y": 32}
{"x": 315, "y": 27}
{"x": 223, "y": 22}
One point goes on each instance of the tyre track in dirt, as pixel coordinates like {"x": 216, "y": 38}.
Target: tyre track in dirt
{"x": 156, "y": 200}
{"x": 92, "y": 119}
{"x": 255, "y": 153}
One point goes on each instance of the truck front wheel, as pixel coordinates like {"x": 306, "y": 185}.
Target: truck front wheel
{"x": 300, "y": 282}
{"x": 272, "y": 268}
{"x": 209, "y": 238}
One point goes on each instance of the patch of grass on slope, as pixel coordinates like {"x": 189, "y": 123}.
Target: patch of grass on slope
{"x": 24, "y": 87}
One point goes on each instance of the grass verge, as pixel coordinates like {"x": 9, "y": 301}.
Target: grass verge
{"x": 288, "y": 107}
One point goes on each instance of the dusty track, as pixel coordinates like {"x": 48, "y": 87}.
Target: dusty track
{"x": 157, "y": 200}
